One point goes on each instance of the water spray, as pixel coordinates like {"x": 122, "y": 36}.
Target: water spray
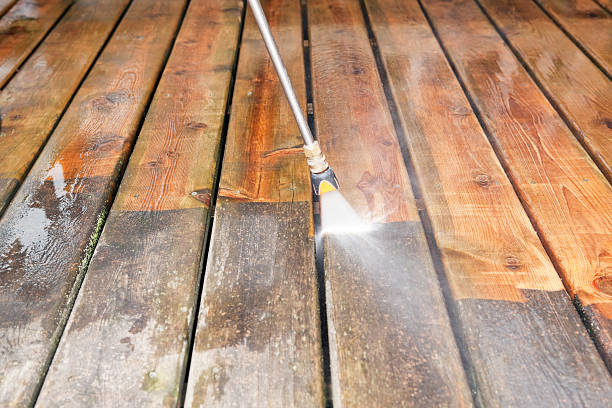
{"x": 321, "y": 175}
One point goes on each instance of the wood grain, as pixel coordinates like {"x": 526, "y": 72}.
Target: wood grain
{"x": 390, "y": 338}
{"x": 127, "y": 338}
{"x": 580, "y": 91}
{"x": 48, "y": 231}
{"x": 22, "y": 28}
{"x": 566, "y": 195}
{"x": 588, "y": 24}
{"x": 32, "y": 102}
{"x": 606, "y": 4}
{"x": 258, "y": 340}
{"x": 523, "y": 337}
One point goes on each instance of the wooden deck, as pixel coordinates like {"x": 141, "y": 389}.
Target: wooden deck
{"x": 159, "y": 244}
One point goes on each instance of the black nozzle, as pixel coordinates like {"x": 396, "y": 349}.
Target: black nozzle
{"x": 324, "y": 182}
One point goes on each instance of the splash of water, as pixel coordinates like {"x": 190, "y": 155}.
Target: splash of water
{"x": 338, "y": 217}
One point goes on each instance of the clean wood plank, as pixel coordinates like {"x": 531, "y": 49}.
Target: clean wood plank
{"x": 32, "y": 102}
{"x": 22, "y": 28}
{"x": 580, "y": 91}
{"x": 568, "y": 198}
{"x": 524, "y": 338}
{"x": 588, "y": 24}
{"x": 606, "y": 4}
{"x": 258, "y": 340}
{"x": 390, "y": 338}
{"x": 127, "y": 338}
{"x": 49, "y": 230}
{"x": 5, "y": 5}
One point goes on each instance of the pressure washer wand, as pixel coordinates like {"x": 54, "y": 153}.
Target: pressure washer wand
{"x": 322, "y": 176}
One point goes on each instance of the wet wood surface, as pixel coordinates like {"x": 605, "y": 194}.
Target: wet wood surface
{"x": 505, "y": 291}
{"x": 22, "y": 28}
{"x": 588, "y": 24}
{"x": 48, "y": 231}
{"x": 566, "y": 195}
{"x": 580, "y": 90}
{"x": 258, "y": 339}
{"x": 200, "y": 286}
{"x": 127, "y": 339}
{"x": 389, "y": 335}
{"x": 32, "y": 102}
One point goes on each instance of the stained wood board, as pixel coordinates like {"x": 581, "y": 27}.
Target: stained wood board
{"x": 577, "y": 88}
{"x": 32, "y": 102}
{"x": 390, "y": 338}
{"x": 258, "y": 339}
{"x": 605, "y": 4}
{"x": 588, "y": 24}
{"x": 48, "y": 231}
{"x": 22, "y": 28}
{"x": 127, "y": 338}
{"x": 523, "y": 338}
{"x": 568, "y": 198}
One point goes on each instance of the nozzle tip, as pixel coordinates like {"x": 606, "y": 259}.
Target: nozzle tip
{"x": 324, "y": 182}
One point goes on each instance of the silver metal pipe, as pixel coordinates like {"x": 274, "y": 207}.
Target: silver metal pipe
{"x": 266, "y": 34}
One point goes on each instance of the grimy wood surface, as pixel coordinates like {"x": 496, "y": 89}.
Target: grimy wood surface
{"x": 258, "y": 339}
{"x": 390, "y": 339}
{"x": 606, "y": 4}
{"x": 524, "y": 340}
{"x": 33, "y": 100}
{"x": 568, "y": 198}
{"x": 22, "y": 28}
{"x": 588, "y": 24}
{"x": 47, "y": 232}
{"x": 580, "y": 91}
{"x": 127, "y": 338}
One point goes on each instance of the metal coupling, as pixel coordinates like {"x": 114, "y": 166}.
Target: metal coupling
{"x": 315, "y": 158}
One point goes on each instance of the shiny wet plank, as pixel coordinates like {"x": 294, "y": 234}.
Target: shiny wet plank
{"x": 390, "y": 339}
{"x": 502, "y": 284}
{"x": 22, "y": 28}
{"x": 50, "y": 228}
{"x": 588, "y": 24}
{"x": 33, "y": 101}
{"x": 258, "y": 338}
{"x": 128, "y": 337}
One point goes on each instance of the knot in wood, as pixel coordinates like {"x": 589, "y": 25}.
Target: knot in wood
{"x": 482, "y": 179}
{"x": 604, "y": 283}
{"x": 512, "y": 263}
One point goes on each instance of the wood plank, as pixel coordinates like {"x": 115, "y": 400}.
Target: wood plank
{"x": 258, "y": 339}
{"x": 389, "y": 334}
{"x": 5, "y": 5}
{"x": 49, "y": 230}
{"x": 588, "y": 24}
{"x": 580, "y": 91}
{"x": 22, "y": 28}
{"x": 523, "y": 337}
{"x": 32, "y": 102}
{"x": 567, "y": 197}
{"x": 606, "y": 4}
{"x": 127, "y": 338}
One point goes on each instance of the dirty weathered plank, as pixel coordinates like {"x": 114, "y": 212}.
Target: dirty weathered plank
{"x": 523, "y": 337}
{"x": 588, "y": 24}
{"x": 48, "y": 231}
{"x": 258, "y": 340}
{"x": 568, "y": 198}
{"x": 127, "y": 338}
{"x": 580, "y": 91}
{"x": 390, "y": 339}
{"x": 32, "y": 102}
{"x": 22, "y": 28}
